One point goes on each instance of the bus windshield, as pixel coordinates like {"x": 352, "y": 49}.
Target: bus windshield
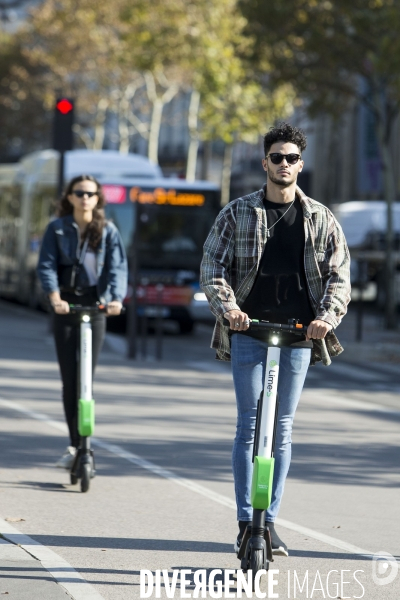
{"x": 169, "y": 237}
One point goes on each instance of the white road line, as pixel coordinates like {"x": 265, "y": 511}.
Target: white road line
{"x": 59, "y": 568}
{"x": 357, "y": 373}
{"x": 34, "y": 415}
{"x": 63, "y": 573}
{"x": 161, "y": 472}
{"x": 352, "y": 403}
{"x": 216, "y": 497}
{"x": 327, "y": 539}
{"x": 207, "y": 367}
{"x": 191, "y": 485}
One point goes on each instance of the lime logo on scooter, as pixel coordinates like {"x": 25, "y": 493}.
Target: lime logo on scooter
{"x": 271, "y": 376}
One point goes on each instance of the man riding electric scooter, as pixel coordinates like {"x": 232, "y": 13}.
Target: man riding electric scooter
{"x": 274, "y": 255}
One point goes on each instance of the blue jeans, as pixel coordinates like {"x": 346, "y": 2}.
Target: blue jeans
{"x": 248, "y": 368}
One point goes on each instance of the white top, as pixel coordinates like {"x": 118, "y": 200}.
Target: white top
{"x": 90, "y": 264}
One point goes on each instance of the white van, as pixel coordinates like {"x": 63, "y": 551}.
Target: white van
{"x": 359, "y": 218}
{"x": 364, "y": 225}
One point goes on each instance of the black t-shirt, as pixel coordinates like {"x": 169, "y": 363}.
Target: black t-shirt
{"x": 280, "y": 292}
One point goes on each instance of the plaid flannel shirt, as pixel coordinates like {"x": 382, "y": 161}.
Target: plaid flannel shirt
{"x": 232, "y": 254}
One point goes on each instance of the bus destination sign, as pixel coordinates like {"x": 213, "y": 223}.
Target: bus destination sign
{"x": 162, "y": 196}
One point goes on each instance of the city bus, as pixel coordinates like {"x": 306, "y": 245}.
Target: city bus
{"x": 163, "y": 221}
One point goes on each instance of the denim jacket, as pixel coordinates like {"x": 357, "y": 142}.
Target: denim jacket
{"x": 60, "y": 247}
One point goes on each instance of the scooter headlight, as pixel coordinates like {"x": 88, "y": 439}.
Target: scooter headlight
{"x": 86, "y": 318}
{"x": 275, "y": 340}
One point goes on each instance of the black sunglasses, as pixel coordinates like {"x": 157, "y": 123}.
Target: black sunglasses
{"x": 81, "y": 193}
{"x": 277, "y": 158}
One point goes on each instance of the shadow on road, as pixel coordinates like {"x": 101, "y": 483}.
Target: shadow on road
{"x": 208, "y": 460}
{"x": 161, "y": 545}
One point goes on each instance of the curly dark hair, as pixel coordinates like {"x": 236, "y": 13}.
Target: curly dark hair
{"x": 284, "y": 132}
{"x": 94, "y": 229}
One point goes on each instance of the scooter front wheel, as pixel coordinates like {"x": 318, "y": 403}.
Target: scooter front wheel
{"x": 86, "y": 475}
{"x": 256, "y": 563}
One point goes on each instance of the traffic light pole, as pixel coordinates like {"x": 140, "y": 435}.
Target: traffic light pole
{"x": 132, "y": 325}
{"x": 61, "y": 169}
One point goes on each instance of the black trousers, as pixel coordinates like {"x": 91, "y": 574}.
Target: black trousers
{"x": 66, "y": 334}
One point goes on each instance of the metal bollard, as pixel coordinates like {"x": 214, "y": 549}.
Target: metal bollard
{"x": 159, "y": 321}
{"x": 362, "y": 280}
{"x": 143, "y": 334}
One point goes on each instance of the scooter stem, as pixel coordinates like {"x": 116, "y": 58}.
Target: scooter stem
{"x": 269, "y": 403}
{"x": 263, "y": 468}
{"x": 86, "y": 402}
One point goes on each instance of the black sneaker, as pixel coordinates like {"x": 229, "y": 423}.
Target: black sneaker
{"x": 242, "y": 529}
{"x": 279, "y": 548}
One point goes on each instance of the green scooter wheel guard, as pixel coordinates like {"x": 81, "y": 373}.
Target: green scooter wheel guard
{"x": 261, "y": 486}
{"x": 86, "y": 417}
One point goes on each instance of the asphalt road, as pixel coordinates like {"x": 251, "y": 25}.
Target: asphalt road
{"x": 163, "y": 496}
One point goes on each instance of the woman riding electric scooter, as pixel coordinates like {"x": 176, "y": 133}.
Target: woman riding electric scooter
{"x": 82, "y": 261}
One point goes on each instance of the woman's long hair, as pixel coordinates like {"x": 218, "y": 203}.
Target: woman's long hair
{"x": 94, "y": 229}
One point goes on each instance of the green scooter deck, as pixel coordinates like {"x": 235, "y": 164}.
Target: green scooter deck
{"x": 261, "y": 485}
{"x": 86, "y": 417}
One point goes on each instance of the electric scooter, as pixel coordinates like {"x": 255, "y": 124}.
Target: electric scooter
{"x": 83, "y": 467}
{"x": 255, "y": 550}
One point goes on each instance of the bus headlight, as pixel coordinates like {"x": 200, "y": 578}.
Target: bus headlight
{"x": 200, "y": 297}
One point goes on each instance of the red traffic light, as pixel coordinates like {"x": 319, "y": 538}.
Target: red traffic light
{"x": 64, "y": 106}
{"x": 63, "y": 123}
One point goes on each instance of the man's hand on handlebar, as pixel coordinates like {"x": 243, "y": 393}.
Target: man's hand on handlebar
{"x": 114, "y": 308}
{"x": 317, "y": 330}
{"x": 239, "y": 321}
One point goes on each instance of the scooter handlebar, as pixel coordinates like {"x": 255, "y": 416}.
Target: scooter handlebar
{"x": 98, "y": 308}
{"x": 295, "y": 328}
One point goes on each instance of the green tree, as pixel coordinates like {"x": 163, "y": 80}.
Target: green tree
{"x": 332, "y": 53}
{"x": 231, "y": 105}
{"x": 23, "y": 123}
{"x": 162, "y": 49}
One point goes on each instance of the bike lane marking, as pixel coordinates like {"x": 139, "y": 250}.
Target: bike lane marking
{"x": 187, "y": 483}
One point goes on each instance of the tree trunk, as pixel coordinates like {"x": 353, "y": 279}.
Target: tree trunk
{"x": 124, "y": 107}
{"x": 154, "y": 133}
{"x": 83, "y": 134}
{"x": 156, "y": 114}
{"x": 123, "y": 129}
{"x": 194, "y": 135}
{"x": 205, "y": 163}
{"x": 99, "y": 130}
{"x": 226, "y": 174}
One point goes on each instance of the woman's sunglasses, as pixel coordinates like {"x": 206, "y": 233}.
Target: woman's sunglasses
{"x": 81, "y": 193}
{"x": 277, "y": 158}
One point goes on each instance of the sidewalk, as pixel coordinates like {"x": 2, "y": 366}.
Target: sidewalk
{"x": 22, "y": 577}
{"x": 377, "y": 343}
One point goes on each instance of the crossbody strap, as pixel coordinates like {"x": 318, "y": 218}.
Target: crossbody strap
{"x": 79, "y": 261}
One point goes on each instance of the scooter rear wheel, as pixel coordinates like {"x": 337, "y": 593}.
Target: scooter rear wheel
{"x": 85, "y": 479}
